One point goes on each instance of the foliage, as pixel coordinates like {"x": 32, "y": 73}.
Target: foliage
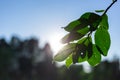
{"x": 107, "y": 70}
{"x": 80, "y": 45}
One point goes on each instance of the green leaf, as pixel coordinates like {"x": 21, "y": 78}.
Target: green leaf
{"x": 88, "y": 43}
{"x": 81, "y": 50}
{"x": 85, "y": 40}
{"x": 72, "y": 25}
{"x": 104, "y": 22}
{"x": 93, "y": 18}
{"x": 71, "y": 37}
{"x": 65, "y": 39}
{"x": 65, "y": 52}
{"x": 85, "y": 20}
{"x": 75, "y": 35}
{"x": 96, "y": 57}
{"x": 82, "y": 22}
{"x": 102, "y": 40}
{"x": 94, "y": 25}
{"x": 94, "y": 21}
{"x": 82, "y": 59}
{"x": 75, "y": 57}
{"x": 99, "y": 11}
{"x": 85, "y": 16}
{"x": 99, "y": 50}
{"x": 83, "y": 31}
{"x": 90, "y": 49}
{"x": 82, "y": 40}
{"x": 69, "y": 61}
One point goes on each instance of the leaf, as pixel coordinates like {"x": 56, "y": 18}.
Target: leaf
{"x": 72, "y": 25}
{"x": 65, "y": 52}
{"x": 69, "y": 61}
{"x": 71, "y": 37}
{"x": 88, "y": 43}
{"x": 84, "y": 30}
{"x": 75, "y": 35}
{"x": 96, "y": 57}
{"x": 99, "y": 50}
{"x": 85, "y": 20}
{"x": 85, "y": 40}
{"x": 102, "y": 40}
{"x": 104, "y": 22}
{"x": 75, "y": 28}
{"x": 94, "y": 21}
{"x": 82, "y": 40}
{"x": 75, "y": 57}
{"x": 94, "y": 25}
{"x": 99, "y": 11}
{"x": 81, "y": 50}
{"x": 93, "y": 18}
{"x": 65, "y": 39}
{"x": 85, "y": 16}
{"x": 90, "y": 49}
{"x": 82, "y": 22}
{"x": 82, "y": 59}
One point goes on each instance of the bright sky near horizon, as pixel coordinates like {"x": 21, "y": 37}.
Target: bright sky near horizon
{"x": 44, "y": 19}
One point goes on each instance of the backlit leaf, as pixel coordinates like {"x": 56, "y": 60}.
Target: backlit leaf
{"x": 68, "y": 61}
{"x": 71, "y": 37}
{"x": 93, "y": 18}
{"x": 96, "y": 57}
{"x": 102, "y": 40}
{"x": 99, "y": 11}
{"x": 104, "y": 22}
{"x": 85, "y": 16}
{"x": 88, "y": 42}
{"x": 72, "y": 25}
{"x": 65, "y": 52}
{"x": 90, "y": 49}
{"x": 84, "y": 30}
{"x": 94, "y": 21}
{"x": 82, "y": 40}
{"x": 82, "y": 59}
{"x": 75, "y": 57}
{"x": 80, "y": 51}
{"x": 65, "y": 39}
{"x": 82, "y": 22}
{"x": 85, "y": 40}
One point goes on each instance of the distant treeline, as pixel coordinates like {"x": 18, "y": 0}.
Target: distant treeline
{"x": 25, "y": 60}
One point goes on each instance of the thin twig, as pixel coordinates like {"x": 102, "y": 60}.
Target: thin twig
{"x": 109, "y": 7}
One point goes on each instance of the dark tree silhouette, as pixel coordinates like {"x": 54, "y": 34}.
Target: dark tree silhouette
{"x": 25, "y": 60}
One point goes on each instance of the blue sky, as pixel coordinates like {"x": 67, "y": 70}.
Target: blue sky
{"x": 44, "y": 19}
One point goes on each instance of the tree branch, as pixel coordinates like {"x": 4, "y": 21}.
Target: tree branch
{"x": 109, "y": 7}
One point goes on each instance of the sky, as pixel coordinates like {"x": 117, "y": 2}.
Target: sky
{"x": 44, "y": 19}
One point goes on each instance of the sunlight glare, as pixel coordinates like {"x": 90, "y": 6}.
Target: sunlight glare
{"x": 55, "y": 43}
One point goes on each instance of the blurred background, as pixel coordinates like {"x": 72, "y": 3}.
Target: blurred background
{"x": 30, "y": 33}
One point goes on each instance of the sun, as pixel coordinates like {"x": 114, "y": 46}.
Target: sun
{"x": 55, "y": 43}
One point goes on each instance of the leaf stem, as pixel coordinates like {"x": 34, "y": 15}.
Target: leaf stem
{"x": 109, "y": 7}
